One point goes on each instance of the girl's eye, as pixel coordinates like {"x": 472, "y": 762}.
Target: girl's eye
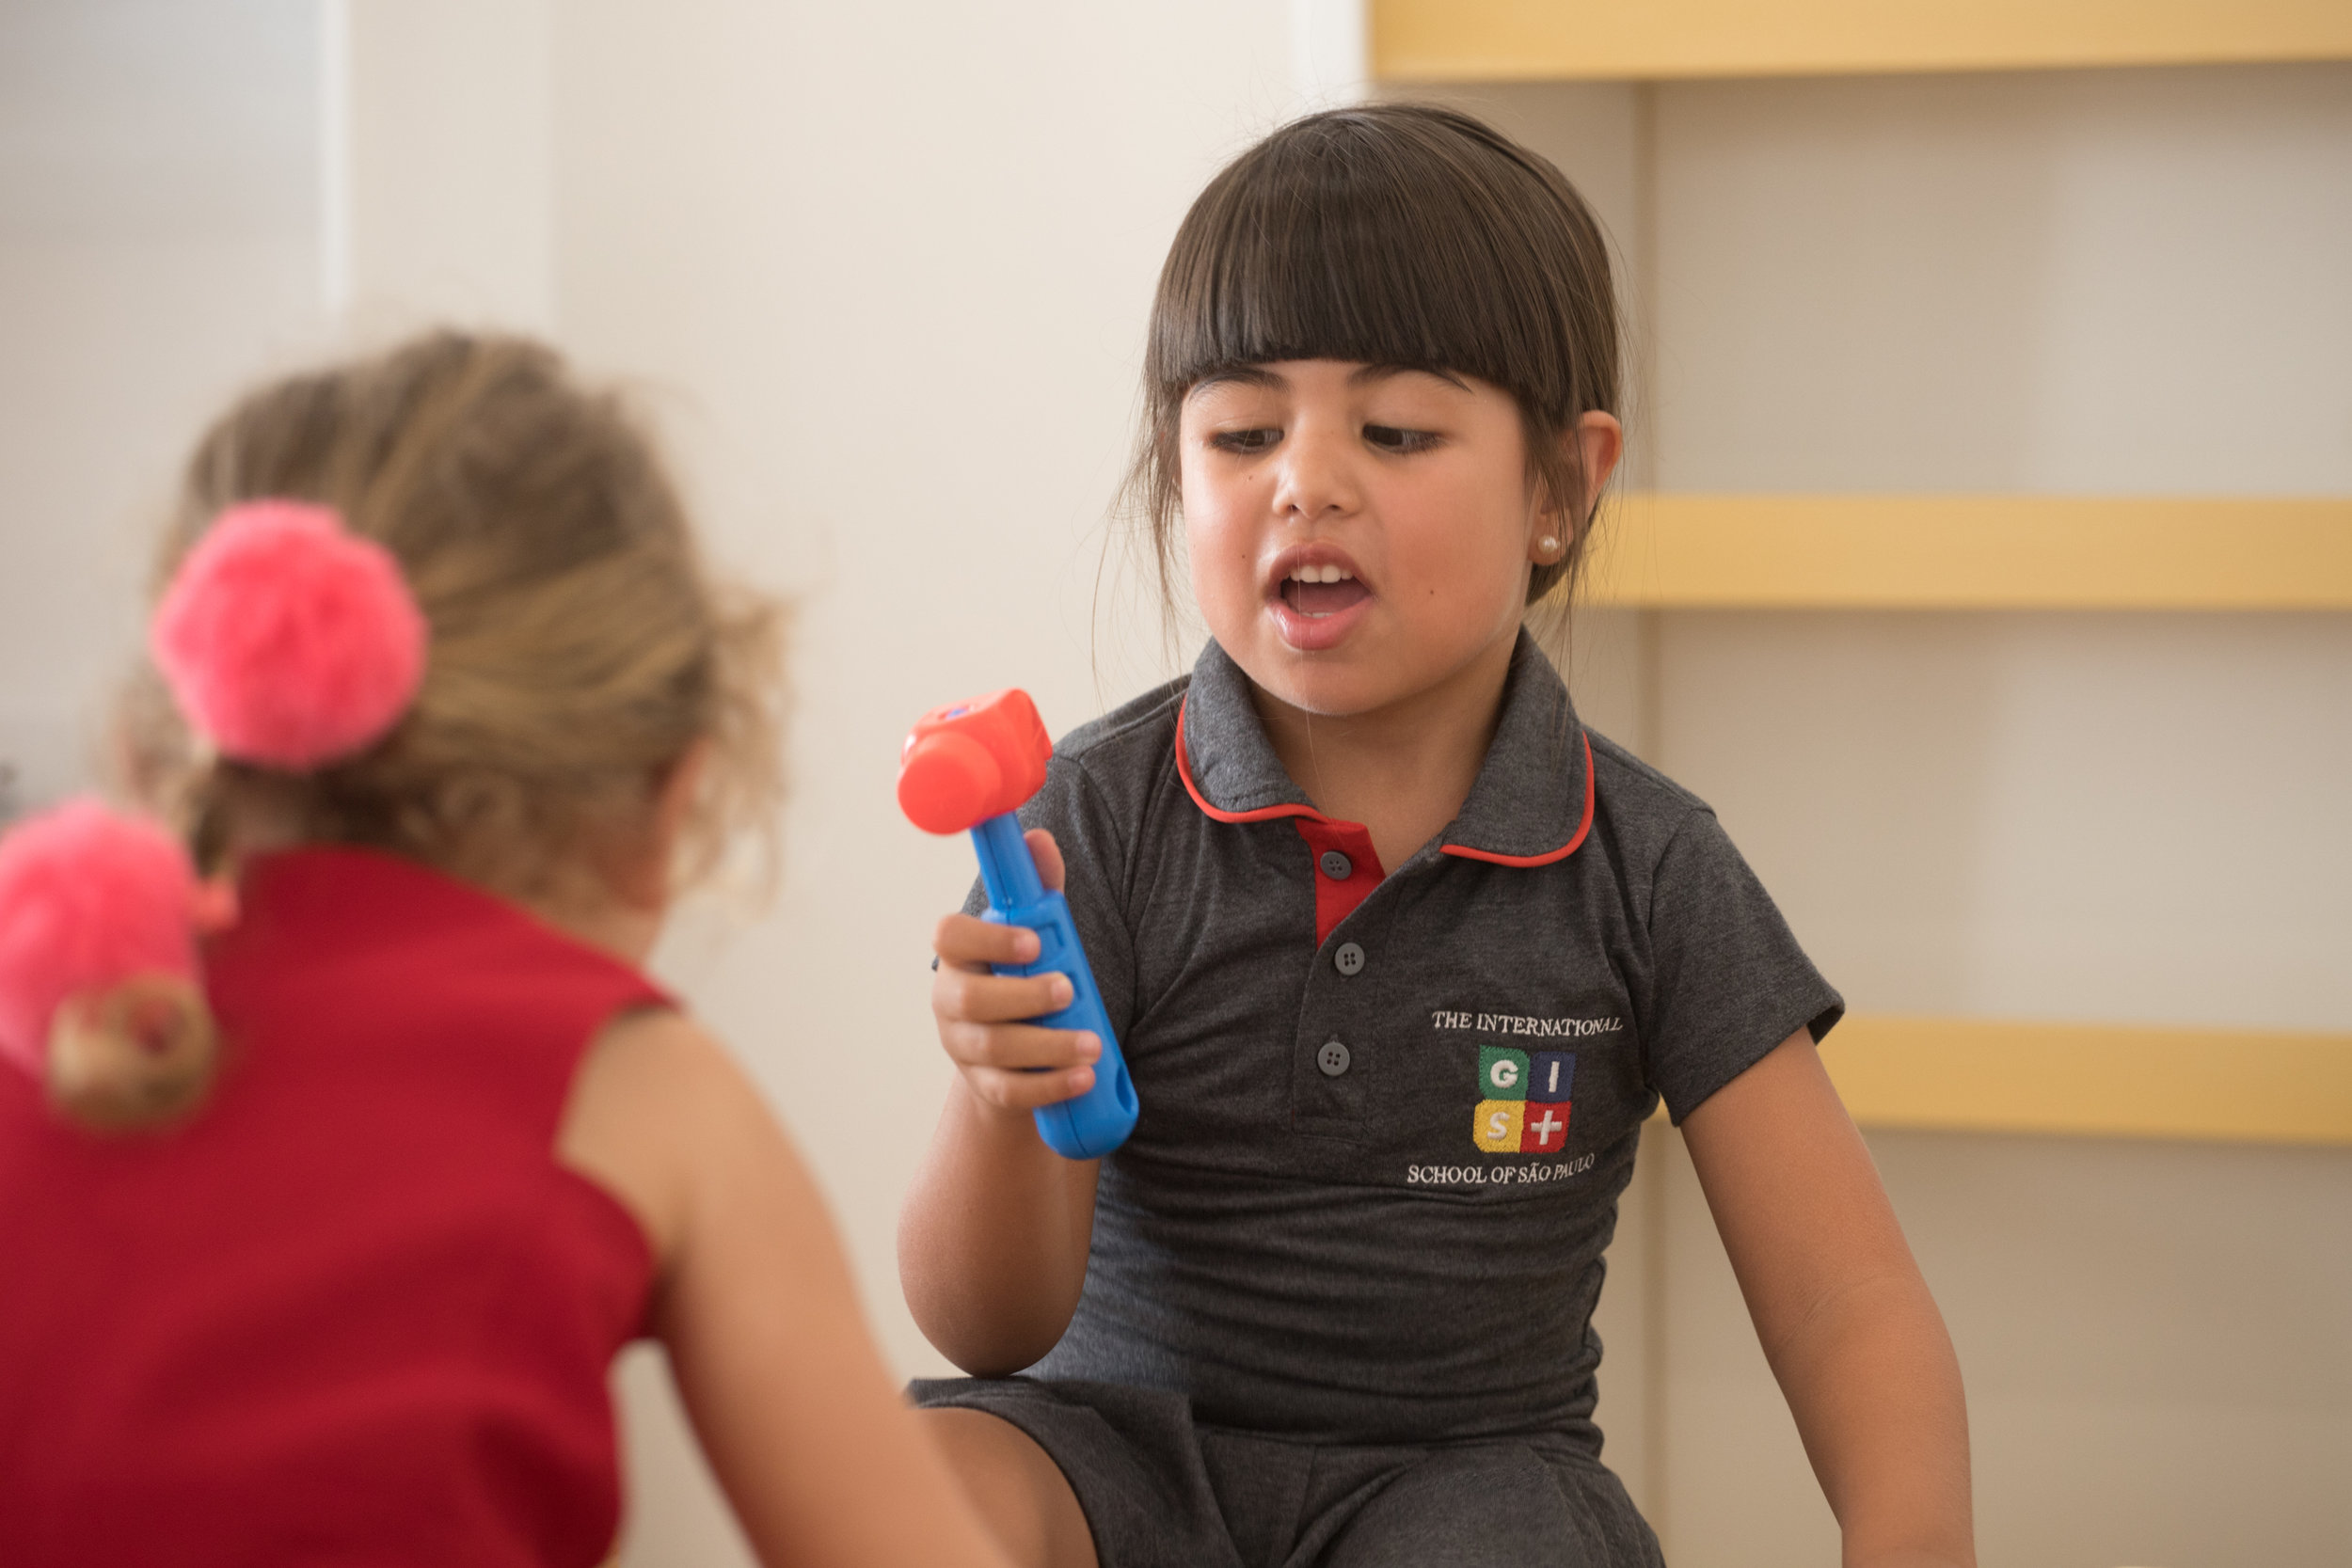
{"x": 1245, "y": 441}
{"x": 1388, "y": 437}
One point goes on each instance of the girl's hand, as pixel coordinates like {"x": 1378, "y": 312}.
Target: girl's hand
{"x": 1009, "y": 1065}
{"x": 993, "y": 1242}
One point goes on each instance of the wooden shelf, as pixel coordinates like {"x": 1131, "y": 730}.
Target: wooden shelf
{"x": 1462, "y": 40}
{"x": 2093, "y": 1079}
{"x": 1666, "y": 550}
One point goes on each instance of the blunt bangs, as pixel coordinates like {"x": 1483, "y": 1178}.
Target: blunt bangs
{"x": 1396, "y": 234}
{"x": 1391, "y": 235}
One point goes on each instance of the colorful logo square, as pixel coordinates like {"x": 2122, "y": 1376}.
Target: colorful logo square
{"x": 1545, "y": 1127}
{"x": 1549, "y": 1075}
{"x": 1501, "y": 1072}
{"x": 1496, "y": 1125}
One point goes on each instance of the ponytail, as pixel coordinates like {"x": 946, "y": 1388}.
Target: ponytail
{"x": 99, "y": 980}
{"x": 288, "y": 644}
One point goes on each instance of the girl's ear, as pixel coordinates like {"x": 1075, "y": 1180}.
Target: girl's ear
{"x": 1600, "y": 442}
{"x": 675, "y": 797}
{"x": 638, "y": 870}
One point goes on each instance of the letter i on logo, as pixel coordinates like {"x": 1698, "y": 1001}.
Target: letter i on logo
{"x": 1550, "y": 1076}
{"x": 1545, "y": 1127}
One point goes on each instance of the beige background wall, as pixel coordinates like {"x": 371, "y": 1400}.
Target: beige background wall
{"x": 2116, "y": 282}
{"x": 883, "y": 271}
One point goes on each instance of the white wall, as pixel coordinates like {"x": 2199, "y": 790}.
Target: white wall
{"x": 886, "y": 270}
{"x": 437, "y": 134}
{"x": 158, "y": 246}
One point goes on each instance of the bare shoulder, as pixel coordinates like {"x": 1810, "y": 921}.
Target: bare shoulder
{"x": 656, "y": 1056}
{"x": 656, "y": 1097}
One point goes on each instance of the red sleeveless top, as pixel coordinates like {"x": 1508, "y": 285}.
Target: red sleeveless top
{"x": 354, "y": 1312}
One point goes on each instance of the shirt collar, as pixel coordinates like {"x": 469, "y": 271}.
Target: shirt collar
{"x": 1530, "y": 805}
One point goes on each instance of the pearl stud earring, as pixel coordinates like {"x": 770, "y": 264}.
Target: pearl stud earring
{"x": 1547, "y": 547}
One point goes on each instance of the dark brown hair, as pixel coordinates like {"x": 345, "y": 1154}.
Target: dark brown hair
{"x": 1396, "y": 234}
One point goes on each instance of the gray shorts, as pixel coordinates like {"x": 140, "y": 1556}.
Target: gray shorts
{"x": 1161, "y": 1491}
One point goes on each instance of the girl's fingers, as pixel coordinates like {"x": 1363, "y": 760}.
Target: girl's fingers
{"x": 1026, "y": 1091}
{"x": 1008, "y": 1064}
{"x": 968, "y": 942}
{"x": 1017, "y": 1047}
{"x": 1047, "y": 854}
{"x": 975, "y": 996}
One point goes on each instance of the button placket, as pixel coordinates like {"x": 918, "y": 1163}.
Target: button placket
{"x": 1343, "y": 1021}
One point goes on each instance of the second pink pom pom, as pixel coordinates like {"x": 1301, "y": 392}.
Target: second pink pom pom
{"x": 287, "y": 641}
{"x": 88, "y": 899}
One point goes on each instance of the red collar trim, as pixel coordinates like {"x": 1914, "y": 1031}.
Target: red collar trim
{"x": 1263, "y": 814}
{"x": 1269, "y": 814}
{"x": 1547, "y": 858}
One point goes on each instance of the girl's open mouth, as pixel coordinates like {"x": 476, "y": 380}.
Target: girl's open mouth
{"x": 1316, "y": 602}
{"x": 1326, "y": 594}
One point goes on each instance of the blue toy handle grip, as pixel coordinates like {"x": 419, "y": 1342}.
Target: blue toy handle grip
{"x": 1100, "y": 1120}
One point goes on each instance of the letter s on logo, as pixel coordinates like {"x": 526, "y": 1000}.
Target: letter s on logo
{"x": 1498, "y": 1122}
{"x": 1504, "y": 1073}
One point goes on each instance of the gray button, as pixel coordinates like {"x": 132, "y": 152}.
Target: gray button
{"x": 1332, "y": 1059}
{"x": 1336, "y": 865}
{"x": 1349, "y": 959}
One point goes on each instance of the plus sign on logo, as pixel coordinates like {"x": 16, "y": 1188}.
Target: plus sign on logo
{"x": 1546, "y": 1129}
{"x": 1524, "y": 1104}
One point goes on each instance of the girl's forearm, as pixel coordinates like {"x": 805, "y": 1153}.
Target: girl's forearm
{"x": 1875, "y": 1387}
{"x": 992, "y": 1238}
{"x": 1841, "y": 1309}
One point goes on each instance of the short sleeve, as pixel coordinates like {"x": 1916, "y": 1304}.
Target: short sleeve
{"x": 1727, "y": 980}
{"x": 1094, "y": 859}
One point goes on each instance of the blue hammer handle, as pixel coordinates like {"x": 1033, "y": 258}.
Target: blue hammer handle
{"x": 1099, "y": 1120}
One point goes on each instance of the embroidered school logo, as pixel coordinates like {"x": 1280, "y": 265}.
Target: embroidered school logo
{"x": 1526, "y": 1108}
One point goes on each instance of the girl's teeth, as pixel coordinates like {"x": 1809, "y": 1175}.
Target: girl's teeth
{"x": 1320, "y": 574}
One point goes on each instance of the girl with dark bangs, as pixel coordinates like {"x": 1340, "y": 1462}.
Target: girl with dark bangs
{"x": 1401, "y": 956}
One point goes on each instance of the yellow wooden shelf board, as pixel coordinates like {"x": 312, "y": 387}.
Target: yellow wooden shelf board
{"x": 1459, "y": 41}
{"x": 2093, "y": 1079}
{"x": 1671, "y": 550}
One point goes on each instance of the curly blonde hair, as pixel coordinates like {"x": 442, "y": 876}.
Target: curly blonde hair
{"x": 580, "y": 647}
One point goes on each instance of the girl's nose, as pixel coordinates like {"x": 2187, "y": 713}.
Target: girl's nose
{"x": 1316, "y": 478}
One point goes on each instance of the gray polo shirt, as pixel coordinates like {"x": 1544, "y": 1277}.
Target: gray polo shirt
{"x": 1385, "y": 1117}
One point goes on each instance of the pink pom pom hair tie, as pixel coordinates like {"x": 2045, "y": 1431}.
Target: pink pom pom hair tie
{"x": 286, "y": 640}
{"x": 98, "y": 919}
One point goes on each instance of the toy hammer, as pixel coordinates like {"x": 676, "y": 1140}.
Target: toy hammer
{"x": 971, "y": 764}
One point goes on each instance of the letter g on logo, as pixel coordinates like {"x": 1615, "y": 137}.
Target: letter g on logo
{"x": 1501, "y": 1072}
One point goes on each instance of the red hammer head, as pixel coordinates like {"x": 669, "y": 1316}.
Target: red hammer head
{"x": 970, "y": 761}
